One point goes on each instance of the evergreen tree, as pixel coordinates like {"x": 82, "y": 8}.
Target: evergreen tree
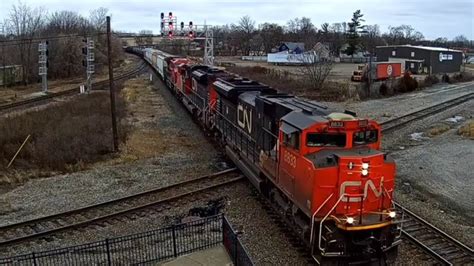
{"x": 353, "y": 37}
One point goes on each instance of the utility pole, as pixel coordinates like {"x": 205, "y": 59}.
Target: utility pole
{"x": 112, "y": 89}
{"x": 43, "y": 64}
{"x": 3, "y": 56}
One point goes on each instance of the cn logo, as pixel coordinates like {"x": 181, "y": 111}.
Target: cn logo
{"x": 244, "y": 118}
{"x": 389, "y": 70}
{"x": 368, "y": 185}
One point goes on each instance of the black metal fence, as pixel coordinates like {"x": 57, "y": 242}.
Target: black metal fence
{"x": 234, "y": 247}
{"x": 145, "y": 248}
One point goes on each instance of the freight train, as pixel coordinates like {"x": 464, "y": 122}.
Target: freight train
{"x": 323, "y": 170}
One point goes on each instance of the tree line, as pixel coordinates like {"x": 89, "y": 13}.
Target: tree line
{"x": 248, "y": 38}
{"x": 24, "y": 27}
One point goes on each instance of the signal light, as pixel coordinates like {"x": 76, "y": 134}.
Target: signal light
{"x": 191, "y": 24}
{"x": 162, "y": 15}
{"x": 162, "y": 24}
{"x": 191, "y": 34}
{"x": 170, "y": 34}
{"x": 182, "y": 25}
{"x": 171, "y": 15}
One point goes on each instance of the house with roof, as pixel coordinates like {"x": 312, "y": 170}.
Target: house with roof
{"x": 291, "y": 47}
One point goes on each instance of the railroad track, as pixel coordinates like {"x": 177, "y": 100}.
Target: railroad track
{"x": 442, "y": 247}
{"x": 395, "y": 123}
{"x": 100, "y": 85}
{"x": 156, "y": 199}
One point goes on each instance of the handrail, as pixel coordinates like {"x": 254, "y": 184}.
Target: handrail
{"x": 314, "y": 215}
{"x": 325, "y": 217}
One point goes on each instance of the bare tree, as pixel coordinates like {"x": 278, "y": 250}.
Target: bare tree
{"x": 246, "y": 28}
{"x": 461, "y": 41}
{"x": 372, "y": 38}
{"x": 272, "y": 35}
{"x": 403, "y": 34}
{"x": 24, "y": 24}
{"x": 98, "y": 19}
{"x": 316, "y": 68}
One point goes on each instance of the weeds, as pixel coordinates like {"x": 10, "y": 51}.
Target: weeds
{"x": 62, "y": 135}
{"x": 287, "y": 82}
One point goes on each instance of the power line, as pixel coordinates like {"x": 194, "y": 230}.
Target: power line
{"x": 49, "y": 38}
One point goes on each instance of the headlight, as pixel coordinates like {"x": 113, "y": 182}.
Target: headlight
{"x": 365, "y": 172}
{"x": 392, "y": 214}
{"x": 350, "y": 220}
{"x": 365, "y": 166}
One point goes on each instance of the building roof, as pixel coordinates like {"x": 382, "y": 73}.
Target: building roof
{"x": 293, "y": 45}
{"x": 429, "y": 48}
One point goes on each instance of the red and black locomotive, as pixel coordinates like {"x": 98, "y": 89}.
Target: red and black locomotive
{"x": 323, "y": 169}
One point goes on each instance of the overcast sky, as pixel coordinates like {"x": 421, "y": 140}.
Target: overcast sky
{"x": 434, "y": 18}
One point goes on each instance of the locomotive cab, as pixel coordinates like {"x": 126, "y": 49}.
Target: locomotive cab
{"x": 332, "y": 171}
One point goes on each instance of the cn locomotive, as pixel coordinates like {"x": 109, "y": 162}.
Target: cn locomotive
{"x": 323, "y": 169}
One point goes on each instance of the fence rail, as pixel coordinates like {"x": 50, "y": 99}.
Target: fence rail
{"x": 152, "y": 246}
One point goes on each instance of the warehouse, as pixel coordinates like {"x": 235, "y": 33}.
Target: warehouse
{"x": 422, "y": 59}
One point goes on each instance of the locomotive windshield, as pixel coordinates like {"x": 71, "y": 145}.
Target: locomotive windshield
{"x": 365, "y": 137}
{"x": 325, "y": 140}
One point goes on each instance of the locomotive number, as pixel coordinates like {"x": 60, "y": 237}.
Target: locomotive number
{"x": 290, "y": 159}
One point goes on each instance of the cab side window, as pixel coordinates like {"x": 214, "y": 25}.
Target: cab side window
{"x": 292, "y": 140}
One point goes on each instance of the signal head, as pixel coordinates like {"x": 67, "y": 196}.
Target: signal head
{"x": 162, "y": 15}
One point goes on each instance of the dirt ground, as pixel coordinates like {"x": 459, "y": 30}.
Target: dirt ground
{"x": 340, "y": 71}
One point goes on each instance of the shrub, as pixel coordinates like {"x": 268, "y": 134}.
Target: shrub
{"x": 407, "y": 83}
{"x": 383, "y": 90}
{"x": 431, "y": 80}
{"x": 462, "y": 77}
{"x": 445, "y": 78}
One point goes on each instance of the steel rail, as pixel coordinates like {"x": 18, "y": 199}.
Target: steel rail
{"x": 57, "y": 218}
{"x": 97, "y": 86}
{"x": 435, "y": 242}
{"x": 397, "y": 122}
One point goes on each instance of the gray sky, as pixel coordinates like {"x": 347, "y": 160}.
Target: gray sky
{"x": 434, "y": 18}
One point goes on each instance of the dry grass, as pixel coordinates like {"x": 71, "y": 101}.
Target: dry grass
{"x": 438, "y": 129}
{"x": 64, "y": 136}
{"x": 467, "y": 130}
{"x": 290, "y": 83}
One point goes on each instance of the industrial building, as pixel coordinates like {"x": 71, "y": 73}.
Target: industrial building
{"x": 422, "y": 59}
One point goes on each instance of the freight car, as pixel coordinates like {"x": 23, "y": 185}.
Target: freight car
{"x": 380, "y": 71}
{"x": 323, "y": 169}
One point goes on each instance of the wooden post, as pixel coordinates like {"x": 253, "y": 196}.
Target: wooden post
{"x": 112, "y": 89}
{"x": 18, "y": 152}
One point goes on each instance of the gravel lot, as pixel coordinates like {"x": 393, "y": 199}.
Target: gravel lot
{"x": 386, "y": 108}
